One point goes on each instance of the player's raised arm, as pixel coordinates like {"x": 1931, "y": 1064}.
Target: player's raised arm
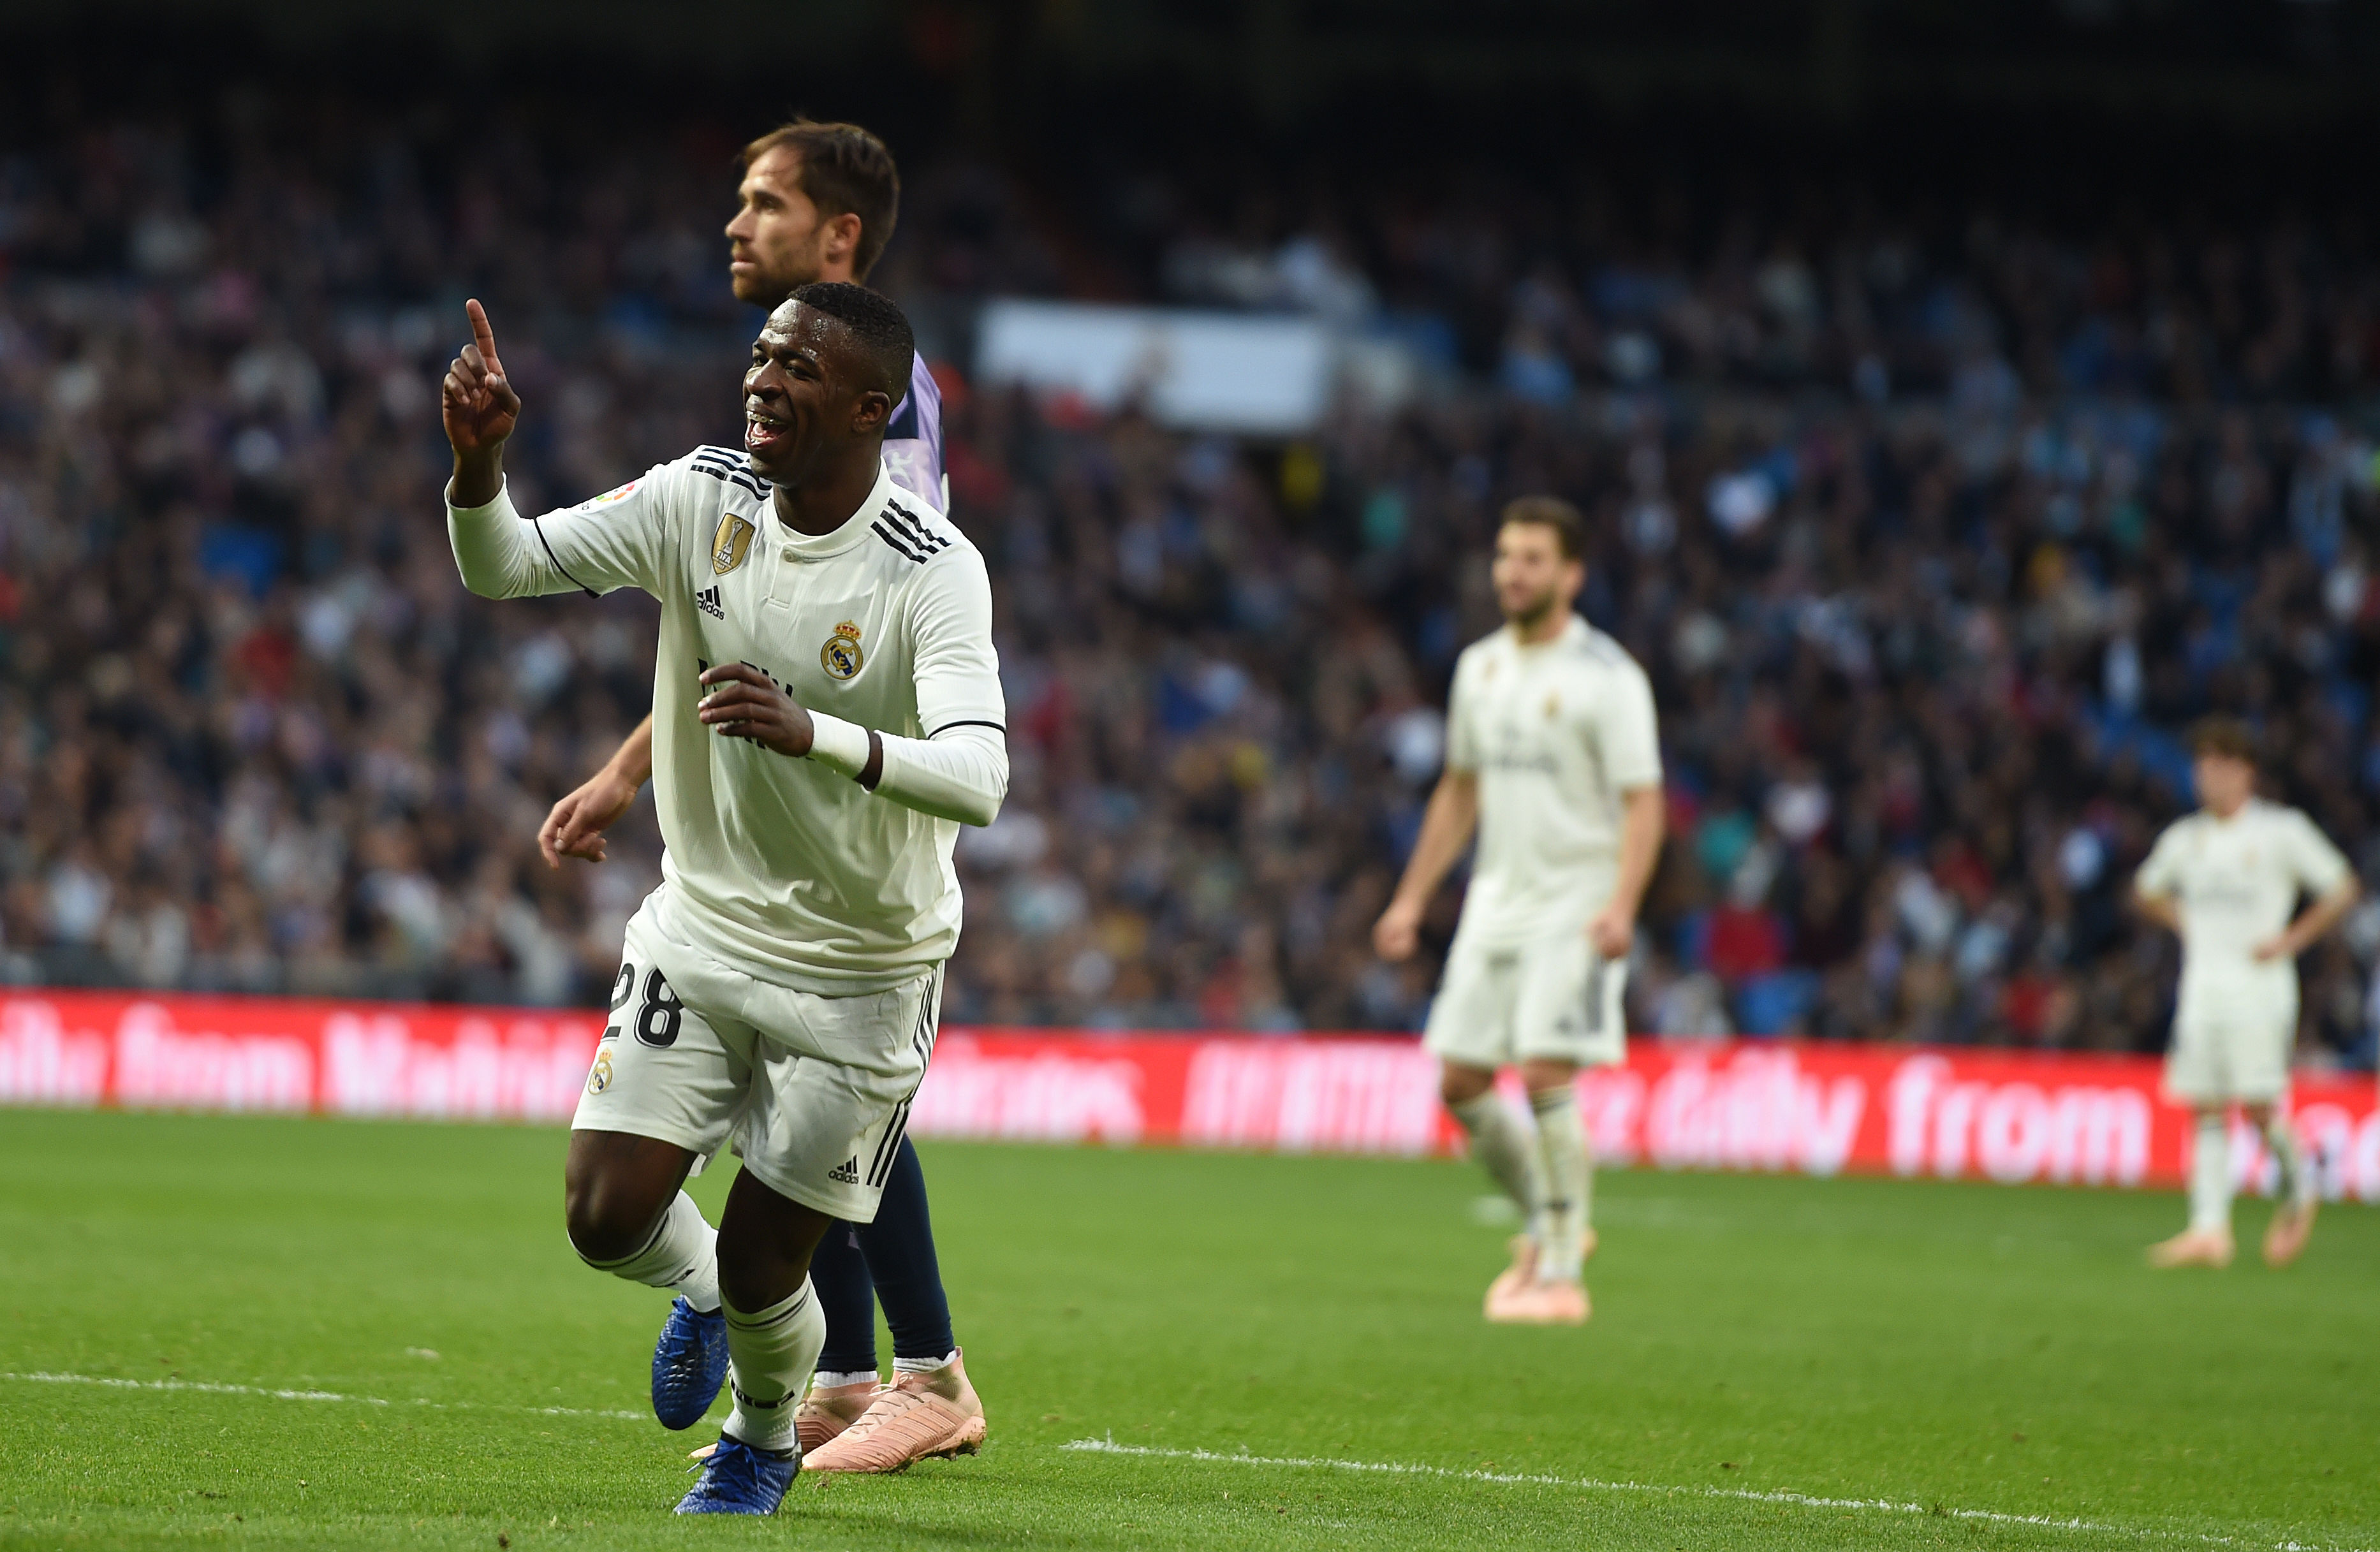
{"x": 480, "y": 410}
{"x": 618, "y": 539}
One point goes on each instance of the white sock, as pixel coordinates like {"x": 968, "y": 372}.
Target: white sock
{"x": 2297, "y": 1182}
{"x": 1569, "y": 1175}
{"x": 683, "y": 1256}
{"x": 1510, "y": 1155}
{"x": 828, "y": 1379}
{"x": 924, "y": 1365}
{"x": 2210, "y": 1174}
{"x": 772, "y": 1353}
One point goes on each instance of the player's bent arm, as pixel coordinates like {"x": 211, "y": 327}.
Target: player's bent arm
{"x": 2161, "y": 909}
{"x": 962, "y": 774}
{"x": 2322, "y": 916}
{"x": 959, "y": 769}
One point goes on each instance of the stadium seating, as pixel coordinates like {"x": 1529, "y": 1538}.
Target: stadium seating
{"x": 1932, "y": 544}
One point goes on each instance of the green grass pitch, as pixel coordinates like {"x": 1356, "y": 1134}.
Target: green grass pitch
{"x": 1773, "y": 1362}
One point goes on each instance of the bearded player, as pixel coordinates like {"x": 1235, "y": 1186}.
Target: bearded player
{"x": 818, "y": 202}
{"x": 826, "y": 711}
{"x": 2227, "y": 878}
{"x": 1552, "y": 755}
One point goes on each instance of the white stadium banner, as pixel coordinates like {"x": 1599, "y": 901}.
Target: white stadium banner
{"x": 1262, "y": 374}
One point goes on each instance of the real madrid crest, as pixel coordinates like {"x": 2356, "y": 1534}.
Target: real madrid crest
{"x": 840, "y": 657}
{"x": 730, "y": 544}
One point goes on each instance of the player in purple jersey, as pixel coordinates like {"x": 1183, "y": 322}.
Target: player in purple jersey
{"x": 913, "y": 447}
{"x": 818, "y": 202}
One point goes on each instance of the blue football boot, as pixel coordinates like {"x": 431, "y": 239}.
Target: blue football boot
{"x": 738, "y": 1479}
{"x": 690, "y": 1364}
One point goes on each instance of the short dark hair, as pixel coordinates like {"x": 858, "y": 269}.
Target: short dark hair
{"x": 875, "y": 320}
{"x": 845, "y": 171}
{"x": 2226, "y": 736}
{"x": 1552, "y": 511}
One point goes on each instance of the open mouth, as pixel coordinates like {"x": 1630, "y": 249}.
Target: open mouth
{"x": 765, "y": 432}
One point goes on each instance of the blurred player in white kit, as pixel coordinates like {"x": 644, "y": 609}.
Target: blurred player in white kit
{"x": 2227, "y": 878}
{"x": 1552, "y": 753}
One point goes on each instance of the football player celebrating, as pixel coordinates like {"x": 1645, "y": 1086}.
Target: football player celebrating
{"x": 2227, "y": 878}
{"x": 826, "y": 711}
{"x": 818, "y": 202}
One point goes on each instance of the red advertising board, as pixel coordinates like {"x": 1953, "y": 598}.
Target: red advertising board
{"x": 1814, "y": 1109}
{"x": 268, "y": 1053}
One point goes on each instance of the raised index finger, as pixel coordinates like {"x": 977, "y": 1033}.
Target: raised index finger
{"x": 483, "y": 335}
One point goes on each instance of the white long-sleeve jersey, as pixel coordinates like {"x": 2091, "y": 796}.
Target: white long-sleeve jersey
{"x": 787, "y": 868}
{"x": 2236, "y": 882}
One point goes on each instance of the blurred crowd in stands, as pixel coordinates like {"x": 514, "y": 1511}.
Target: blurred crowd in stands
{"x": 1933, "y": 528}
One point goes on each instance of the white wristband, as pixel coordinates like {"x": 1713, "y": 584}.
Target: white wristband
{"x": 839, "y": 745}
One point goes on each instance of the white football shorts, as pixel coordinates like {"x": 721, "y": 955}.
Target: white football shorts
{"x": 812, "y": 1092}
{"x": 2217, "y": 1060}
{"x": 1555, "y": 998}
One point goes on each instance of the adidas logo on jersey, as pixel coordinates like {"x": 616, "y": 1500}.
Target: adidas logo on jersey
{"x": 708, "y": 602}
{"x": 846, "y": 1172}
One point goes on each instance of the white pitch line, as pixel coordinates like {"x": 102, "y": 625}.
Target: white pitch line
{"x": 1749, "y": 1494}
{"x": 1304, "y": 1462}
{"x": 215, "y": 1389}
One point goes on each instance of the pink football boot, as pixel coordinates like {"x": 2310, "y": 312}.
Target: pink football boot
{"x": 1542, "y": 1304}
{"x": 827, "y": 1410}
{"x": 1512, "y": 1279}
{"x": 2285, "y": 1237}
{"x": 2192, "y": 1247}
{"x": 918, "y": 1418}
